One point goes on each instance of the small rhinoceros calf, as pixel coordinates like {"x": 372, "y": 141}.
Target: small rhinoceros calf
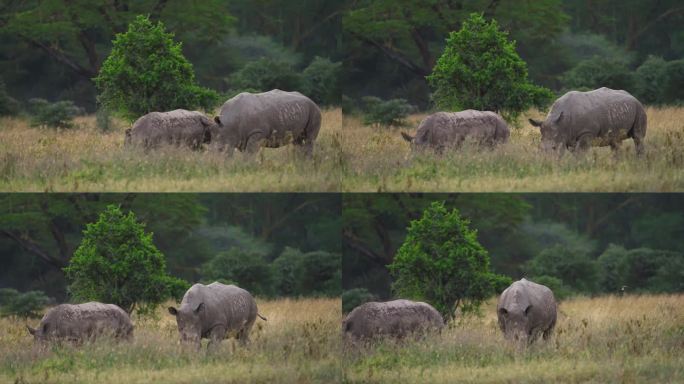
{"x": 179, "y": 127}
{"x": 81, "y": 322}
{"x": 214, "y": 312}
{"x": 270, "y": 119}
{"x": 602, "y": 117}
{"x": 450, "y": 129}
{"x": 398, "y": 318}
{"x": 526, "y": 310}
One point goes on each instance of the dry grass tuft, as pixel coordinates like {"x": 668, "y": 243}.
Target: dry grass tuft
{"x": 298, "y": 343}
{"x": 85, "y": 159}
{"x": 378, "y": 159}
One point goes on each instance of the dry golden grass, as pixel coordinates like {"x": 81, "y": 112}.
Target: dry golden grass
{"x": 298, "y": 344}
{"x": 85, "y": 159}
{"x": 378, "y": 159}
{"x": 631, "y": 339}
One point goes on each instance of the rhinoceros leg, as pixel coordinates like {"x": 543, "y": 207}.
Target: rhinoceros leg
{"x": 638, "y": 145}
{"x": 217, "y": 334}
{"x": 243, "y": 336}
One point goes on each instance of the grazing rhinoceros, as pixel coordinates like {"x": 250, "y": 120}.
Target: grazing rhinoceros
{"x": 81, "y": 322}
{"x": 213, "y": 312}
{"x": 602, "y": 117}
{"x": 178, "y": 127}
{"x": 450, "y": 129}
{"x": 398, "y": 318}
{"x": 271, "y": 119}
{"x": 526, "y": 310}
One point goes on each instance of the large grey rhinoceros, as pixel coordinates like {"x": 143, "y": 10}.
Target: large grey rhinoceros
{"x": 600, "y": 118}
{"x": 450, "y": 129}
{"x": 526, "y": 310}
{"x": 178, "y": 127}
{"x": 214, "y": 312}
{"x": 397, "y": 318}
{"x": 270, "y": 119}
{"x": 82, "y": 322}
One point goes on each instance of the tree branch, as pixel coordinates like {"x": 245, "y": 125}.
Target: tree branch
{"x": 396, "y": 56}
{"x": 359, "y": 246}
{"x": 632, "y": 40}
{"x": 31, "y": 246}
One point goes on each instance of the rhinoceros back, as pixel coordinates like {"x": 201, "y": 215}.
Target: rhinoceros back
{"x": 79, "y": 321}
{"x": 394, "y": 318}
{"x": 227, "y": 305}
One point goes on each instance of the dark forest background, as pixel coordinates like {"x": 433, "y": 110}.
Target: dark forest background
{"x": 271, "y": 244}
{"x": 576, "y": 243}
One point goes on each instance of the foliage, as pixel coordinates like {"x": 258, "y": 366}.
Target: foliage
{"x": 26, "y": 304}
{"x": 103, "y": 120}
{"x": 8, "y": 106}
{"x": 53, "y": 115}
{"x": 313, "y": 273}
{"x": 641, "y": 270}
{"x": 480, "y": 69}
{"x": 650, "y": 80}
{"x": 243, "y": 268}
{"x": 146, "y": 71}
{"x": 266, "y": 74}
{"x": 385, "y": 112}
{"x": 441, "y": 262}
{"x": 572, "y": 266}
{"x": 322, "y": 81}
{"x": 674, "y": 92}
{"x": 352, "y": 298}
{"x": 599, "y": 72}
{"x": 118, "y": 263}
{"x": 560, "y": 291}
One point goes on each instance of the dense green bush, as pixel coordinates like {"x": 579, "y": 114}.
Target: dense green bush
{"x": 560, "y": 291}
{"x": 674, "y": 91}
{"x": 247, "y": 270}
{"x": 53, "y": 115}
{"x": 650, "y": 80}
{"x": 441, "y": 262}
{"x": 385, "y": 112}
{"x": 118, "y": 263}
{"x": 574, "y": 267}
{"x": 313, "y": 273}
{"x": 8, "y": 106}
{"x": 27, "y": 304}
{"x": 322, "y": 81}
{"x": 480, "y": 69}
{"x": 146, "y": 71}
{"x": 352, "y": 298}
{"x": 264, "y": 75}
{"x": 599, "y": 72}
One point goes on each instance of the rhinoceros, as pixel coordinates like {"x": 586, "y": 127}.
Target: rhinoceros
{"x": 450, "y": 129}
{"x": 214, "y": 312}
{"x": 271, "y": 119}
{"x": 81, "y": 322}
{"x": 526, "y": 310}
{"x": 178, "y": 127}
{"x": 397, "y": 318}
{"x": 600, "y": 118}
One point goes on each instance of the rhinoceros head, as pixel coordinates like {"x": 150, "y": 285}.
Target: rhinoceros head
{"x": 515, "y": 322}
{"x": 39, "y": 334}
{"x": 223, "y": 137}
{"x": 189, "y": 322}
{"x": 551, "y": 132}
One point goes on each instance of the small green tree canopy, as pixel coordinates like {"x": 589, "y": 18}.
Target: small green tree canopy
{"x": 480, "y": 69}
{"x": 245, "y": 268}
{"x": 146, "y": 71}
{"x": 118, "y": 263}
{"x": 322, "y": 81}
{"x": 441, "y": 262}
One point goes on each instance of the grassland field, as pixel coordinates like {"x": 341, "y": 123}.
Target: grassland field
{"x": 378, "y": 159}
{"x": 300, "y": 343}
{"x": 83, "y": 158}
{"x": 630, "y": 339}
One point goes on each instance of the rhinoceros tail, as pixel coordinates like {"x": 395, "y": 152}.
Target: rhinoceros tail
{"x": 407, "y": 137}
{"x": 261, "y": 317}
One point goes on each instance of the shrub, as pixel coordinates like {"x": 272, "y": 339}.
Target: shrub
{"x": 599, "y": 72}
{"x": 245, "y": 269}
{"x": 53, "y": 115}
{"x": 352, "y": 298}
{"x": 441, "y": 262}
{"x": 480, "y": 69}
{"x": 8, "y": 105}
{"x": 264, "y": 75}
{"x": 118, "y": 263}
{"x": 146, "y": 71}
{"x": 560, "y": 291}
{"x": 650, "y": 80}
{"x": 322, "y": 81}
{"x": 385, "y": 112}
{"x": 313, "y": 273}
{"x": 103, "y": 120}
{"x": 674, "y": 72}
{"x": 27, "y": 304}
{"x": 572, "y": 266}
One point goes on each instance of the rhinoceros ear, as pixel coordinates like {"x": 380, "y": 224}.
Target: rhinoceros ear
{"x": 199, "y": 308}
{"x": 527, "y": 310}
{"x": 560, "y": 116}
{"x": 407, "y": 137}
{"x": 173, "y": 311}
{"x": 31, "y": 330}
{"x": 536, "y": 123}
{"x": 503, "y": 311}
{"x": 217, "y": 119}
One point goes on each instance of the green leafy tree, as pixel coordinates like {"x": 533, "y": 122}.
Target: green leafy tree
{"x": 53, "y": 115}
{"x": 441, "y": 262}
{"x": 246, "y": 269}
{"x": 385, "y": 112}
{"x": 322, "y": 81}
{"x": 480, "y": 69}
{"x": 352, "y": 298}
{"x": 266, "y": 74}
{"x": 599, "y": 72}
{"x": 146, "y": 71}
{"x": 574, "y": 267}
{"x": 118, "y": 263}
{"x": 27, "y": 304}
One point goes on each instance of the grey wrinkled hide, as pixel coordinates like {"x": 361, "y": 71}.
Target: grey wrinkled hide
{"x": 526, "y": 310}
{"x": 179, "y": 127}
{"x": 214, "y": 312}
{"x": 450, "y": 129}
{"x": 81, "y": 322}
{"x": 271, "y": 119}
{"x": 398, "y": 318}
{"x": 602, "y": 117}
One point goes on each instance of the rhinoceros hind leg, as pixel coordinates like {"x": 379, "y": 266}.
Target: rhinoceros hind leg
{"x": 639, "y": 145}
